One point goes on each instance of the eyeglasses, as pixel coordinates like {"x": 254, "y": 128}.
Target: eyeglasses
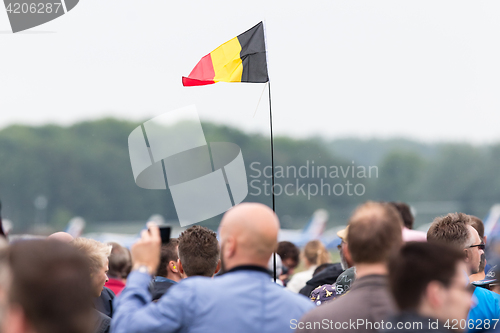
{"x": 479, "y": 246}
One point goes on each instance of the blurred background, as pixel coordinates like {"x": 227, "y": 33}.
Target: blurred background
{"x": 409, "y": 88}
{"x": 50, "y": 174}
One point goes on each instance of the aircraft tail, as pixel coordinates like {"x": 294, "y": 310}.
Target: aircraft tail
{"x": 317, "y": 225}
{"x": 75, "y": 226}
{"x": 491, "y": 221}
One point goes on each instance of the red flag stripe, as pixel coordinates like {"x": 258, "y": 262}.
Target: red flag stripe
{"x": 188, "y": 82}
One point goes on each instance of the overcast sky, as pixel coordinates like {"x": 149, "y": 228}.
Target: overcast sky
{"x": 428, "y": 70}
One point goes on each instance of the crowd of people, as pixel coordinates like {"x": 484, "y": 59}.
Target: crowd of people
{"x": 389, "y": 278}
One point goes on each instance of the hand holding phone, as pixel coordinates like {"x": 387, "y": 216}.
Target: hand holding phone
{"x": 146, "y": 252}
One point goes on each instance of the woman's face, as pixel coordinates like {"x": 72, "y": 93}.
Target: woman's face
{"x": 99, "y": 278}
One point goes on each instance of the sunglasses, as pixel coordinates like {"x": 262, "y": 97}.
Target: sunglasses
{"x": 479, "y": 246}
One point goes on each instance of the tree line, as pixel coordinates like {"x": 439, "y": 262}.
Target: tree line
{"x": 84, "y": 170}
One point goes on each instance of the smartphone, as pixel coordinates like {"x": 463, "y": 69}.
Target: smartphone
{"x": 165, "y": 234}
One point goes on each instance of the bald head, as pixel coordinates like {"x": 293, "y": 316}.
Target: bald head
{"x": 249, "y": 235}
{"x": 61, "y": 237}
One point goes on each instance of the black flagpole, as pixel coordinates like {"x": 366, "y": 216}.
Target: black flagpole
{"x": 272, "y": 167}
{"x": 272, "y": 146}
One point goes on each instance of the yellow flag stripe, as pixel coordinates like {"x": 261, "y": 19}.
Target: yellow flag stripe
{"x": 227, "y": 62}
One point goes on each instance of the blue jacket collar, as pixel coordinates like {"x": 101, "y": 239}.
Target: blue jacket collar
{"x": 163, "y": 279}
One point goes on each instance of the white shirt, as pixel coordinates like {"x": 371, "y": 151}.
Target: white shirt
{"x": 298, "y": 280}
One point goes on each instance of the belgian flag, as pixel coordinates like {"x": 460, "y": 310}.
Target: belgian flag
{"x": 241, "y": 59}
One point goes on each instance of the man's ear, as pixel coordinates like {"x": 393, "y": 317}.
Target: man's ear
{"x": 218, "y": 267}
{"x": 484, "y": 239}
{"x": 16, "y": 320}
{"x": 179, "y": 266}
{"x": 467, "y": 255}
{"x": 347, "y": 254}
{"x": 172, "y": 265}
{"x": 434, "y": 294}
{"x": 230, "y": 247}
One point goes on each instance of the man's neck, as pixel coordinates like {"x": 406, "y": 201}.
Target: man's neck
{"x": 370, "y": 269}
{"x": 477, "y": 277}
{"x": 236, "y": 263}
{"x": 174, "y": 277}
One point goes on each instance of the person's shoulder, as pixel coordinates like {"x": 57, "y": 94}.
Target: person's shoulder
{"x": 107, "y": 294}
{"x": 102, "y": 322}
{"x": 494, "y": 295}
{"x": 298, "y": 281}
{"x": 290, "y": 296}
{"x": 488, "y": 304}
{"x": 301, "y": 274}
{"x": 483, "y": 292}
{"x": 229, "y": 282}
{"x": 486, "y": 295}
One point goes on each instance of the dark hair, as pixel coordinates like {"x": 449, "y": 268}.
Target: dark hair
{"x": 288, "y": 250}
{"x": 2, "y": 233}
{"x": 51, "y": 282}
{"x": 477, "y": 224}
{"x": 374, "y": 232}
{"x": 415, "y": 266}
{"x": 168, "y": 253}
{"x": 405, "y": 212}
{"x": 199, "y": 251}
{"x": 450, "y": 229}
{"x": 120, "y": 262}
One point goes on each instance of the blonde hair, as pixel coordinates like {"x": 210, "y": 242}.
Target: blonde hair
{"x": 316, "y": 253}
{"x": 95, "y": 251}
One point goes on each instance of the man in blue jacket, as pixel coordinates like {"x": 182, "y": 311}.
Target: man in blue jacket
{"x": 244, "y": 299}
{"x": 455, "y": 229}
